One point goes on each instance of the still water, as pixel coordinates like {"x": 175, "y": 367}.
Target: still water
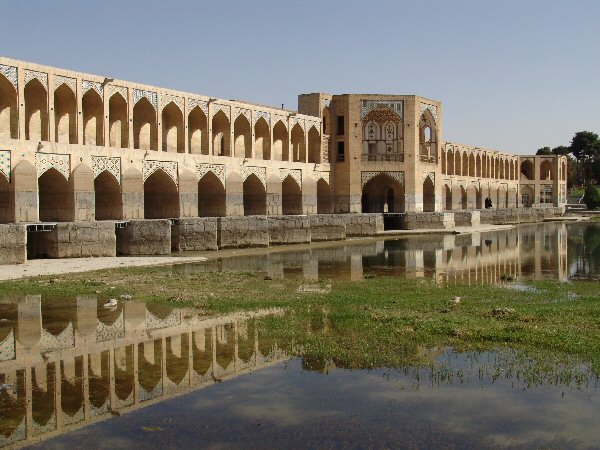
{"x": 149, "y": 376}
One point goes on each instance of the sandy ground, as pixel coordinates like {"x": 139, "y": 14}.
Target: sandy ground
{"x": 37, "y": 267}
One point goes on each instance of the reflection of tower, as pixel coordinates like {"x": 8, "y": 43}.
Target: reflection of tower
{"x": 414, "y": 262}
{"x": 563, "y": 261}
{"x": 29, "y": 322}
{"x": 356, "y": 267}
{"x": 310, "y": 269}
{"x": 87, "y": 316}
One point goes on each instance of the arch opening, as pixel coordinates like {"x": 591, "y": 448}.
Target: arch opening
{"x": 527, "y": 170}
{"x": 428, "y": 195}
{"x": 7, "y": 209}
{"x": 255, "y": 197}
{"x": 280, "y": 142}
{"x": 161, "y": 199}
{"x": 145, "y": 136}
{"x": 447, "y": 198}
{"x": 242, "y": 137}
{"x": 298, "y": 144}
{"x": 291, "y": 197}
{"x": 9, "y": 119}
{"x": 109, "y": 203}
{"x": 198, "y": 132}
{"x": 262, "y": 139}
{"x": 117, "y": 122}
{"x": 211, "y": 196}
{"x": 36, "y": 111}
{"x": 93, "y": 123}
{"x": 314, "y": 146}
{"x": 221, "y": 134}
{"x": 65, "y": 113}
{"x": 55, "y": 197}
{"x": 173, "y": 139}
{"x": 383, "y": 194}
{"x": 324, "y": 201}
{"x": 546, "y": 171}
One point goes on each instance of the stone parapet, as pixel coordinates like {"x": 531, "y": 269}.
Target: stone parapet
{"x": 194, "y": 234}
{"x": 85, "y": 239}
{"x": 12, "y": 244}
{"x": 289, "y": 230}
{"x": 240, "y": 232}
{"x": 362, "y": 224}
{"x": 327, "y": 227}
{"x": 428, "y": 220}
{"x": 145, "y": 237}
{"x": 519, "y": 215}
{"x": 467, "y": 218}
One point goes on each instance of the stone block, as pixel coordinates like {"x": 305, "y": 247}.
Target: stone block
{"x": 85, "y": 239}
{"x": 289, "y": 230}
{"x": 428, "y": 220}
{"x": 13, "y": 244}
{"x": 244, "y": 231}
{"x": 194, "y": 234}
{"x": 363, "y": 224}
{"x": 145, "y": 237}
{"x": 467, "y": 218}
{"x": 327, "y": 227}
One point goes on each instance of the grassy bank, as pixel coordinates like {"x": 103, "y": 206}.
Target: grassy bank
{"x": 376, "y": 321}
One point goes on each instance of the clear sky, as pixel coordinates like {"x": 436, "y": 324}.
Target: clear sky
{"x": 513, "y": 75}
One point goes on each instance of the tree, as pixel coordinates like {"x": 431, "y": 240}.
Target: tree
{"x": 544, "y": 151}
{"x": 591, "y": 198}
{"x": 585, "y": 146}
{"x": 561, "y": 150}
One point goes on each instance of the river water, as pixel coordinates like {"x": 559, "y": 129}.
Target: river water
{"x": 75, "y": 375}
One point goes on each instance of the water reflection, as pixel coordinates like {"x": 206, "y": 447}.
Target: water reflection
{"x": 543, "y": 251}
{"x": 67, "y": 364}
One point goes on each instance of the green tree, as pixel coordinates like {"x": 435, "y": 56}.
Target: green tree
{"x": 561, "y": 150}
{"x": 591, "y": 198}
{"x": 544, "y": 151}
{"x": 585, "y": 146}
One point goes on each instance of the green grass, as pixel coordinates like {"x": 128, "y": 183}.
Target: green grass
{"x": 378, "y": 321}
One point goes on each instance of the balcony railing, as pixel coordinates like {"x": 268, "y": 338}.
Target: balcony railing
{"x": 393, "y": 157}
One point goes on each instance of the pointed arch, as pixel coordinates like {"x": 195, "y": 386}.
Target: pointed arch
{"x": 197, "y": 131}
{"x": 465, "y": 164}
{"x": 55, "y": 197}
{"x": 177, "y": 357}
{"x": 211, "y": 196}
{"x": 7, "y": 207}
{"x": 447, "y": 194}
{"x": 145, "y": 136}
{"x": 9, "y": 119}
{"x": 546, "y": 171}
{"x": 255, "y": 197}
{"x": 298, "y": 144}
{"x": 463, "y": 198}
{"x": 109, "y": 202}
{"x": 428, "y": 195}
{"x": 472, "y": 165}
{"x": 65, "y": 115}
{"x": 161, "y": 197}
{"x": 221, "y": 134}
{"x": 93, "y": 118}
{"x": 324, "y": 201}
{"x": 314, "y": 145}
{"x": 383, "y": 194}
{"x": 450, "y": 162}
{"x": 291, "y": 197}
{"x": 280, "y": 142}
{"x": 427, "y": 136}
{"x": 457, "y": 164}
{"x": 118, "y": 125}
{"x": 527, "y": 170}
{"x": 173, "y": 139}
{"x": 36, "y": 111}
{"x": 262, "y": 139}
{"x": 242, "y": 133}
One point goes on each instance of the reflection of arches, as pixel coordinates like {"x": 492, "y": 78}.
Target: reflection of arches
{"x": 177, "y": 357}
{"x": 211, "y": 196}
{"x": 324, "y": 203}
{"x": 428, "y": 195}
{"x": 377, "y": 197}
{"x": 202, "y": 348}
{"x": 43, "y": 393}
{"x": 221, "y": 134}
{"x": 7, "y": 209}
{"x": 463, "y": 198}
{"x": 117, "y": 121}
{"x": 71, "y": 392}
{"x": 255, "y": 197}
{"x": 161, "y": 199}
{"x": 298, "y": 144}
{"x": 55, "y": 197}
{"x": 262, "y": 142}
{"x": 198, "y": 131}
{"x": 99, "y": 382}
{"x": 109, "y": 203}
{"x": 36, "y": 111}
{"x": 280, "y": 142}
{"x": 144, "y": 126}
{"x": 149, "y": 364}
{"x": 225, "y": 345}
{"x": 242, "y": 137}
{"x": 246, "y": 341}
{"x": 124, "y": 375}
{"x": 172, "y": 129}
{"x": 93, "y": 122}
{"x": 291, "y": 196}
{"x": 447, "y": 194}
{"x": 527, "y": 170}
{"x": 314, "y": 146}
{"x": 427, "y": 135}
{"x": 546, "y": 170}
{"x": 9, "y": 120}
{"x": 65, "y": 107}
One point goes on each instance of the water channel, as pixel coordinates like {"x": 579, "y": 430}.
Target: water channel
{"x": 150, "y": 376}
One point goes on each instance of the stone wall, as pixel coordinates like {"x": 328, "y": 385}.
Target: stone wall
{"x": 428, "y": 221}
{"x": 85, "y": 239}
{"x": 327, "y": 227}
{"x": 362, "y": 224}
{"x": 145, "y": 237}
{"x": 194, "y": 234}
{"x": 12, "y": 244}
{"x": 289, "y": 230}
{"x": 519, "y": 215}
{"x": 240, "y": 232}
{"x": 467, "y": 218}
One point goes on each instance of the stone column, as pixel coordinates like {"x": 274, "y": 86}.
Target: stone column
{"x": 25, "y": 188}
{"x": 188, "y": 194}
{"x": 51, "y": 111}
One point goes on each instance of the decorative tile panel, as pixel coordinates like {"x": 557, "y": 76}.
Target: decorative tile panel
{"x": 7, "y": 347}
{"x": 5, "y": 163}
{"x": 317, "y": 126}
{"x": 365, "y": 177}
{"x": 217, "y": 169}
{"x": 296, "y": 175}
{"x": 216, "y": 107}
{"x": 112, "y": 89}
{"x": 10, "y": 73}
{"x": 70, "y": 82}
{"x": 318, "y": 175}
{"x": 154, "y": 323}
{"x": 45, "y": 161}
{"x": 108, "y": 332}
{"x": 283, "y": 119}
{"x": 259, "y": 114}
{"x": 87, "y": 85}
{"x": 110, "y": 164}
{"x": 167, "y": 98}
{"x": 367, "y": 106}
{"x": 432, "y": 109}
{"x": 40, "y": 76}
{"x": 138, "y": 94}
{"x": 260, "y": 172}
{"x": 169, "y": 167}
{"x": 246, "y": 112}
{"x": 66, "y": 339}
{"x": 192, "y": 103}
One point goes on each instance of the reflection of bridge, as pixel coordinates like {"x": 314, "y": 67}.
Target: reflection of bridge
{"x": 71, "y": 364}
{"x": 530, "y": 251}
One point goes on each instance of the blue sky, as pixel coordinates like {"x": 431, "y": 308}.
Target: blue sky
{"x": 511, "y": 75}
